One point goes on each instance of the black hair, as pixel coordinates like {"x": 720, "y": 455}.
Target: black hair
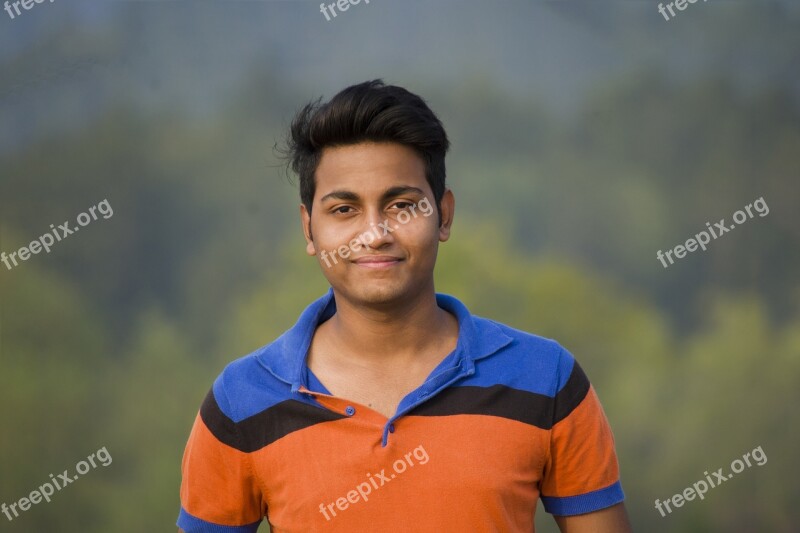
{"x": 367, "y": 112}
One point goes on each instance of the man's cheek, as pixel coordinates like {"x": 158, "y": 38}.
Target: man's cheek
{"x": 424, "y": 249}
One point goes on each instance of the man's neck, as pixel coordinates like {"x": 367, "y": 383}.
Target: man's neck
{"x": 386, "y": 335}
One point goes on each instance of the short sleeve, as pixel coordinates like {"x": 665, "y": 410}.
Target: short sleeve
{"x": 581, "y": 473}
{"x": 219, "y": 493}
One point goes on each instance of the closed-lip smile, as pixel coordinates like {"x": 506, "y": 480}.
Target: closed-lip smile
{"x": 377, "y": 261}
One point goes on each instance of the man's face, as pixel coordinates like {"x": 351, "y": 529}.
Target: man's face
{"x": 374, "y": 222}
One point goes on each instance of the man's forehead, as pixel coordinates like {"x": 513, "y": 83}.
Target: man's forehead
{"x": 370, "y": 169}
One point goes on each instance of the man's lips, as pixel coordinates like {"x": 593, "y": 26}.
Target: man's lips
{"x": 377, "y": 261}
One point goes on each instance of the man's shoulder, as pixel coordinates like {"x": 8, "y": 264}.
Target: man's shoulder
{"x": 528, "y": 361}
{"x": 248, "y": 385}
{"x": 523, "y": 343}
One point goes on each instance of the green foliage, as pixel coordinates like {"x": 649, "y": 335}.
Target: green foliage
{"x": 54, "y": 358}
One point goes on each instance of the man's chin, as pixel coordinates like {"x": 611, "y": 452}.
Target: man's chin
{"x": 377, "y": 293}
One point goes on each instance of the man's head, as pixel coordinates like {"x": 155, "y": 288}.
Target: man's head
{"x": 371, "y": 161}
{"x": 369, "y": 111}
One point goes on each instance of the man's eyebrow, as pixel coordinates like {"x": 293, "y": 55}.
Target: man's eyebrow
{"x": 400, "y": 190}
{"x": 390, "y": 193}
{"x": 341, "y": 195}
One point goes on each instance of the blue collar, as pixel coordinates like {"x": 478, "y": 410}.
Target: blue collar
{"x": 286, "y": 357}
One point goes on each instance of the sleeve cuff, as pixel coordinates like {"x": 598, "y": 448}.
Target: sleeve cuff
{"x": 192, "y": 524}
{"x": 584, "y": 503}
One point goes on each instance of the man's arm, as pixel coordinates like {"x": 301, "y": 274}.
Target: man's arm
{"x": 218, "y": 491}
{"x": 580, "y": 484}
{"x": 612, "y": 519}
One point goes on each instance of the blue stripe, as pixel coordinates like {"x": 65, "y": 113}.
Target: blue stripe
{"x": 519, "y": 360}
{"x": 530, "y": 363}
{"x": 584, "y": 503}
{"x": 192, "y": 524}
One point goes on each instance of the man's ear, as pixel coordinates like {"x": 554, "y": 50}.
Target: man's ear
{"x": 448, "y": 210}
{"x": 305, "y": 221}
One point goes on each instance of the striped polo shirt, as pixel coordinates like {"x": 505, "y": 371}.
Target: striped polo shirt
{"x": 505, "y": 419}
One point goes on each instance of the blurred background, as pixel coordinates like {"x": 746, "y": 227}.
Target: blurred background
{"x": 586, "y": 137}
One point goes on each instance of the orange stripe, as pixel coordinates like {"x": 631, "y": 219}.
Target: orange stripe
{"x": 482, "y": 472}
{"x": 582, "y": 457}
{"x": 217, "y": 485}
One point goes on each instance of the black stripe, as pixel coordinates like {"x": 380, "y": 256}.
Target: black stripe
{"x": 264, "y": 428}
{"x": 531, "y": 408}
{"x": 497, "y": 400}
{"x": 222, "y": 427}
{"x": 573, "y": 393}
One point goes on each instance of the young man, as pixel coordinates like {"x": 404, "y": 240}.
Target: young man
{"x": 389, "y": 406}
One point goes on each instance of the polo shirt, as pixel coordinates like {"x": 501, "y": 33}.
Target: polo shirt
{"x": 505, "y": 419}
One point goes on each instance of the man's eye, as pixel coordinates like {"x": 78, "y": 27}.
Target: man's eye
{"x": 343, "y": 209}
{"x": 403, "y": 205}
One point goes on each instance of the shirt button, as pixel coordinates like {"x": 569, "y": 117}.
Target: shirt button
{"x": 350, "y": 410}
{"x": 391, "y": 428}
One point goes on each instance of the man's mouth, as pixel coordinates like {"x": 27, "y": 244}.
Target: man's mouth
{"x": 377, "y": 261}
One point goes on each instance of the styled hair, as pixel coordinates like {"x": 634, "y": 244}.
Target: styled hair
{"x": 367, "y": 112}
